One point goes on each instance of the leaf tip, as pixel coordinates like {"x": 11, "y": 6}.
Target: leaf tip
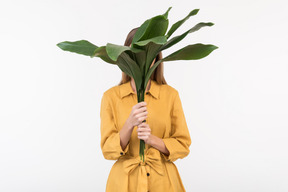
{"x": 210, "y": 24}
{"x": 213, "y": 47}
{"x": 60, "y": 45}
{"x": 166, "y": 13}
{"x": 194, "y": 12}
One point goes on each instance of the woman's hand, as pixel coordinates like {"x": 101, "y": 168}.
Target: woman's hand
{"x": 144, "y": 133}
{"x": 138, "y": 114}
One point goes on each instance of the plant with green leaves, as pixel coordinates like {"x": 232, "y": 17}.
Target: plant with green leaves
{"x": 149, "y": 40}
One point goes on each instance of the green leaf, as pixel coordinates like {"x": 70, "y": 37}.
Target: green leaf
{"x": 122, "y": 64}
{"x": 178, "y": 38}
{"x": 101, "y": 52}
{"x": 157, "y": 40}
{"x": 134, "y": 70}
{"x": 140, "y": 31}
{"x": 152, "y": 51}
{"x": 81, "y": 47}
{"x": 176, "y": 25}
{"x": 113, "y": 51}
{"x": 140, "y": 59}
{"x": 156, "y": 26}
{"x": 150, "y": 71}
{"x": 191, "y": 52}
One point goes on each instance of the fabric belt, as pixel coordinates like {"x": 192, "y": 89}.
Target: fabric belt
{"x": 152, "y": 158}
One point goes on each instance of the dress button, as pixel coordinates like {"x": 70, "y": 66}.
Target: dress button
{"x": 148, "y": 174}
{"x": 121, "y": 153}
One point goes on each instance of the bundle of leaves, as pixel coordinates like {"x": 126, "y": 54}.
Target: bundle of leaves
{"x": 149, "y": 40}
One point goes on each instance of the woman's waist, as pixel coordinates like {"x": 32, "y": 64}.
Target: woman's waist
{"x": 150, "y": 154}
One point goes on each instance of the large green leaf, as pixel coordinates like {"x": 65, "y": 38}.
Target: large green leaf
{"x": 101, "y": 52}
{"x": 191, "y": 52}
{"x": 178, "y": 38}
{"x": 176, "y": 25}
{"x": 140, "y": 32}
{"x": 81, "y": 47}
{"x": 156, "y": 26}
{"x": 114, "y": 51}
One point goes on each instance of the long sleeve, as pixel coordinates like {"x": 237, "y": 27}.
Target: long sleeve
{"x": 110, "y": 137}
{"x": 179, "y": 141}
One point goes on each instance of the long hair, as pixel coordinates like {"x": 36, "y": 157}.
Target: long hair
{"x": 157, "y": 74}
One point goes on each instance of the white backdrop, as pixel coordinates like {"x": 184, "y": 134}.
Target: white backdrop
{"x": 235, "y": 100}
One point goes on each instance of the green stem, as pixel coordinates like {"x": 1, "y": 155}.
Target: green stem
{"x": 140, "y": 96}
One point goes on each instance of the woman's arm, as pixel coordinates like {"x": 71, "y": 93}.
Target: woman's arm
{"x": 115, "y": 143}
{"x": 179, "y": 141}
{"x": 158, "y": 143}
{"x": 125, "y": 134}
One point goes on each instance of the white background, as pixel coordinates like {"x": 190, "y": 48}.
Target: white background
{"x": 235, "y": 100}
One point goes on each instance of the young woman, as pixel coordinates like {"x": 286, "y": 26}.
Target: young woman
{"x": 165, "y": 133}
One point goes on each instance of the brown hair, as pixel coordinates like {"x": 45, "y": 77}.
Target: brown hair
{"x": 157, "y": 74}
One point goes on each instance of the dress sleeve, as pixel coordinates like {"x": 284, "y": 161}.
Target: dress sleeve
{"x": 179, "y": 141}
{"x": 110, "y": 137}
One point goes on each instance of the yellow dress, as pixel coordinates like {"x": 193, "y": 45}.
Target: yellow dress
{"x": 166, "y": 119}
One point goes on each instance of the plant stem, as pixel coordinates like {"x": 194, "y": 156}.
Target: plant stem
{"x": 140, "y": 96}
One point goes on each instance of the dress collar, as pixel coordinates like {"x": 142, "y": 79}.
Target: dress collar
{"x": 126, "y": 89}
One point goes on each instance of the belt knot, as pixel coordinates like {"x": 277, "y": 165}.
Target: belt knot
{"x": 142, "y": 163}
{"x": 152, "y": 159}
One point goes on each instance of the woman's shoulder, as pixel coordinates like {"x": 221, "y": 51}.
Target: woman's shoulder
{"x": 169, "y": 89}
{"x": 118, "y": 91}
{"x": 112, "y": 91}
{"x": 167, "y": 93}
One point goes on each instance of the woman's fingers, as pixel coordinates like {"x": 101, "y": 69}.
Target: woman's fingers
{"x": 141, "y": 109}
{"x": 138, "y": 114}
{"x": 143, "y": 124}
{"x": 140, "y": 105}
{"x": 141, "y": 115}
{"x": 143, "y": 130}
